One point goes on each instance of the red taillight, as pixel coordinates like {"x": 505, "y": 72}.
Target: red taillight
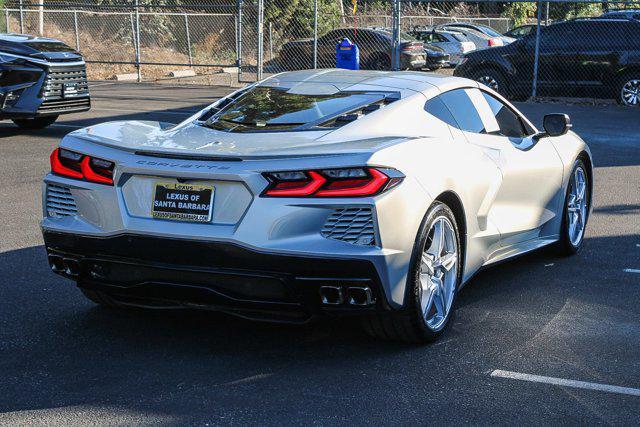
{"x": 296, "y": 188}
{"x": 78, "y": 166}
{"x": 65, "y": 166}
{"x": 495, "y": 42}
{"x": 94, "y": 174}
{"x": 351, "y": 182}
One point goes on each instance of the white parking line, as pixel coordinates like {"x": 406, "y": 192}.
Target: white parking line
{"x": 631, "y": 270}
{"x": 566, "y": 383}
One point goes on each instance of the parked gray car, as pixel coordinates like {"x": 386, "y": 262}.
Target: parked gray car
{"x": 454, "y": 43}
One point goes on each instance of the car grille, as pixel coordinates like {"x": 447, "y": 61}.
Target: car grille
{"x": 53, "y": 92}
{"x": 351, "y": 225}
{"x": 60, "y": 202}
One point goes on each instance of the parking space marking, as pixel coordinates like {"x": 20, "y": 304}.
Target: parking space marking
{"x": 631, "y": 270}
{"x": 566, "y": 383}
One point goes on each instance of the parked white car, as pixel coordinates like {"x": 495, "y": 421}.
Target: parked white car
{"x": 454, "y": 43}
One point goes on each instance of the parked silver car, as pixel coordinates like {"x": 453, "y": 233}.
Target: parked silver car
{"x": 319, "y": 192}
{"x": 488, "y": 31}
{"x": 454, "y": 43}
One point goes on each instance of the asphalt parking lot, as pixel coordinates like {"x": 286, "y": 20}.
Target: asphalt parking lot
{"x": 65, "y": 361}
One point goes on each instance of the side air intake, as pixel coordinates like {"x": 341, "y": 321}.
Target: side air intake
{"x": 60, "y": 202}
{"x": 351, "y": 225}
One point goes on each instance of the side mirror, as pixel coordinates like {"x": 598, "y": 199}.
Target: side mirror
{"x": 556, "y": 124}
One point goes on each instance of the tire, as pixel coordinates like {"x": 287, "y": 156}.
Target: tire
{"x": 101, "y": 298}
{"x": 628, "y": 82}
{"x": 35, "y": 123}
{"x": 379, "y": 62}
{"x": 410, "y": 324}
{"x": 493, "y": 79}
{"x": 570, "y": 243}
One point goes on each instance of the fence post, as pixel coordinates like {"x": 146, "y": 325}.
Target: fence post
{"x": 75, "y": 28}
{"x": 21, "y": 19}
{"x": 186, "y": 27}
{"x": 6, "y": 17}
{"x": 315, "y": 34}
{"x": 260, "y": 32}
{"x": 395, "y": 55}
{"x": 536, "y": 59}
{"x": 137, "y": 36}
{"x": 239, "y": 40}
{"x": 41, "y": 18}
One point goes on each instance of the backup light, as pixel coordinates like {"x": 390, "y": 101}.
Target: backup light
{"x": 343, "y": 182}
{"x": 78, "y": 166}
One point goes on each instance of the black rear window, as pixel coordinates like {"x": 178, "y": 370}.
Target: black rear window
{"x": 268, "y": 108}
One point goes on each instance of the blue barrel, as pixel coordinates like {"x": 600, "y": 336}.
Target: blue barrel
{"x": 347, "y": 55}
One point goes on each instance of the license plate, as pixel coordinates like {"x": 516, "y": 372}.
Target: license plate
{"x": 183, "y": 202}
{"x": 69, "y": 90}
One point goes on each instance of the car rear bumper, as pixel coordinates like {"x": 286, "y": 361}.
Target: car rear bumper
{"x": 147, "y": 270}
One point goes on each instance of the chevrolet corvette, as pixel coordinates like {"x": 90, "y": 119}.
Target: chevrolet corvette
{"x": 316, "y": 193}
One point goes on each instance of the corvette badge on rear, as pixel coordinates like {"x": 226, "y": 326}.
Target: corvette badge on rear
{"x": 183, "y": 202}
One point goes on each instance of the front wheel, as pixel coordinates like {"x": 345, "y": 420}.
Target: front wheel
{"x": 35, "y": 123}
{"x": 628, "y": 90}
{"x": 576, "y": 210}
{"x": 491, "y": 78}
{"x": 434, "y": 277}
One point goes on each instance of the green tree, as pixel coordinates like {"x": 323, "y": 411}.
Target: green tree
{"x": 294, "y": 18}
{"x": 520, "y": 12}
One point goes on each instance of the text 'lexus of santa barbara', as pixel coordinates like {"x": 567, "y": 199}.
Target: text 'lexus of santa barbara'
{"x": 40, "y": 79}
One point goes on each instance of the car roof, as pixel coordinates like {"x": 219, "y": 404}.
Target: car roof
{"x": 326, "y": 80}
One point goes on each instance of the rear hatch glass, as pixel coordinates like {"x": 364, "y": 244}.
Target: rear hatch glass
{"x": 269, "y": 108}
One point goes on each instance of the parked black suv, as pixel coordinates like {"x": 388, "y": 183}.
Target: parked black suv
{"x": 40, "y": 78}
{"x": 582, "y": 57}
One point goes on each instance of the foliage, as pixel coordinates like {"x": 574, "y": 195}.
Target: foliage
{"x": 520, "y": 12}
{"x": 294, "y": 18}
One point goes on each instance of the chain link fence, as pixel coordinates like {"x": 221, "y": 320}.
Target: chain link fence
{"x": 522, "y": 49}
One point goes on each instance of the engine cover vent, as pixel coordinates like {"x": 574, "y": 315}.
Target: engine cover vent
{"x": 60, "y": 202}
{"x": 351, "y": 225}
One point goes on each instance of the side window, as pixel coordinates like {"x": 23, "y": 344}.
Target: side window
{"x": 463, "y": 111}
{"x": 435, "y": 106}
{"x": 509, "y": 123}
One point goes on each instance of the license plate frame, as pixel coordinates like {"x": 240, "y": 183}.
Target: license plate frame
{"x": 181, "y": 202}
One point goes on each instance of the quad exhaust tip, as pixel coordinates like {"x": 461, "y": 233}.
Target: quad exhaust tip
{"x": 359, "y": 296}
{"x": 331, "y": 295}
{"x": 66, "y": 266}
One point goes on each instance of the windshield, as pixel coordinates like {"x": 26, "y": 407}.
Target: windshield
{"x": 268, "y": 108}
{"x": 50, "y": 47}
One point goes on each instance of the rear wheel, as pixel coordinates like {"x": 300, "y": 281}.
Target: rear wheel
{"x": 434, "y": 278}
{"x": 35, "y": 123}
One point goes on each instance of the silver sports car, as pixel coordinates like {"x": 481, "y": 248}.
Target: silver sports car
{"x": 329, "y": 192}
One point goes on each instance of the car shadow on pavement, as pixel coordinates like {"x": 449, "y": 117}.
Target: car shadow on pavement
{"x": 58, "y": 349}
